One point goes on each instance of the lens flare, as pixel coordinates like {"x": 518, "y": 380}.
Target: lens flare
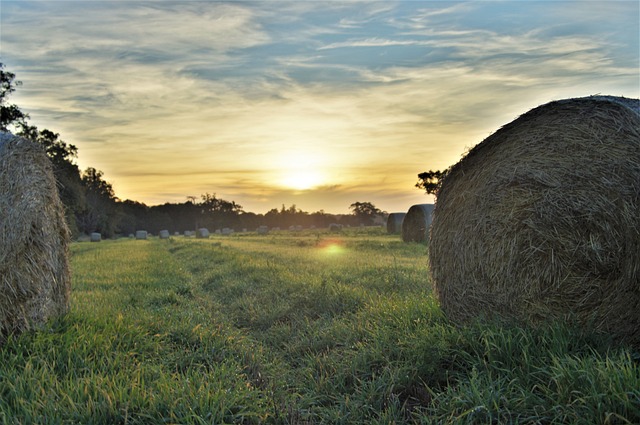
{"x": 331, "y": 247}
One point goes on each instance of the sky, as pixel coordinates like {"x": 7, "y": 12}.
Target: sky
{"x": 314, "y": 103}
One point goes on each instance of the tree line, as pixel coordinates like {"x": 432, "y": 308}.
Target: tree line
{"x": 92, "y": 206}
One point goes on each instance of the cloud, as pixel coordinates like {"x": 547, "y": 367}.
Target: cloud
{"x": 193, "y": 97}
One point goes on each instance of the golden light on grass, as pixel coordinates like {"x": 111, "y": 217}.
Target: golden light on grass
{"x": 332, "y": 247}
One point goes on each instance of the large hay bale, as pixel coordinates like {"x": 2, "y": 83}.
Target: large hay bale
{"x": 141, "y": 234}
{"x": 542, "y": 220}
{"x": 394, "y": 222}
{"x": 34, "y": 268}
{"x": 415, "y": 226}
{"x": 202, "y": 233}
{"x": 164, "y": 234}
{"x": 95, "y": 237}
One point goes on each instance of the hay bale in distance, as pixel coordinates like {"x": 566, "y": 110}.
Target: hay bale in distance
{"x": 95, "y": 237}
{"x": 542, "y": 220}
{"x": 416, "y": 223}
{"x": 394, "y": 222}
{"x": 164, "y": 234}
{"x": 202, "y": 233}
{"x": 34, "y": 268}
{"x": 262, "y": 230}
{"x": 335, "y": 227}
{"x": 141, "y": 234}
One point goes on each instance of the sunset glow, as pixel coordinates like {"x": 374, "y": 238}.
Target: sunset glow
{"x": 301, "y": 171}
{"x": 312, "y": 103}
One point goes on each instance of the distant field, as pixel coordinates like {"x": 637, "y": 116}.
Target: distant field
{"x": 295, "y": 328}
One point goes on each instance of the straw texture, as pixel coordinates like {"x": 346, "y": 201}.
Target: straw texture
{"x": 542, "y": 220}
{"x": 394, "y": 222}
{"x": 34, "y": 268}
{"x": 415, "y": 226}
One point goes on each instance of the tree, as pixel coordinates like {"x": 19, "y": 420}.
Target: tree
{"x": 67, "y": 173}
{"x": 9, "y": 114}
{"x": 57, "y": 150}
{"x": 431, "y": 180}
{"x": 365, "y": 212}
{"x": 61, "y": 154}
{"x": 218, "y": 213}
{"x": 93, "y": 182}
{"x": 100, "y": 213}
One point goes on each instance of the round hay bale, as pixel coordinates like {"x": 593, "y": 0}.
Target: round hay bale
{"x": 164, "y": 234}
{"x": 141, "y": 234}
{"x": 96, "y": 237}
{"x": 262, "y": 230}
{"x": 394, "y": 222}
{"x": 335, "y": 227}
{"x": 542, "y": 220}
{"x": 416, "y": 223}
{"x": 202, "y": 233}
{"x": 34, "y": 266}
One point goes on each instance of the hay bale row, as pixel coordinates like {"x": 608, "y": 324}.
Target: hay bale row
{"x": 416, "y": 223}
{"x": 541, "y": 220}
{"x": 394, "y": 222}
{"x": 34, "y": 268}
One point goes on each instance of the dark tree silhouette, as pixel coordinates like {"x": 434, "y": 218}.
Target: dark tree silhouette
{"x": 365, "y": 212}
{"x": 430, "y": 181}
{"x": 9, "y": 114}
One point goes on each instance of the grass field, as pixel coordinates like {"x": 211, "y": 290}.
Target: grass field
{"x": 305, "y": 328}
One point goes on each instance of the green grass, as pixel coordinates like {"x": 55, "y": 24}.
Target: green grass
{"x": 305, "y": 328}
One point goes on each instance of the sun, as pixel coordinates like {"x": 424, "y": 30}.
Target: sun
{"x": 301, "y": 171}
{"x": 302, "y": 179}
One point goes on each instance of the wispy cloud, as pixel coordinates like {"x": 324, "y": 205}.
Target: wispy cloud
{"x": 172, "y": 99}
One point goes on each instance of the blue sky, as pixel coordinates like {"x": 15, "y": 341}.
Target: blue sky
{"x": 313, "y": 103}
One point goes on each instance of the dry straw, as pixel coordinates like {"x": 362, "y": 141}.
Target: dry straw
{"x": 542, "y": 220}
{"x": 394, "y": 222}
{"x": 415, "y": 226}
{"x": 34, "y": 268}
